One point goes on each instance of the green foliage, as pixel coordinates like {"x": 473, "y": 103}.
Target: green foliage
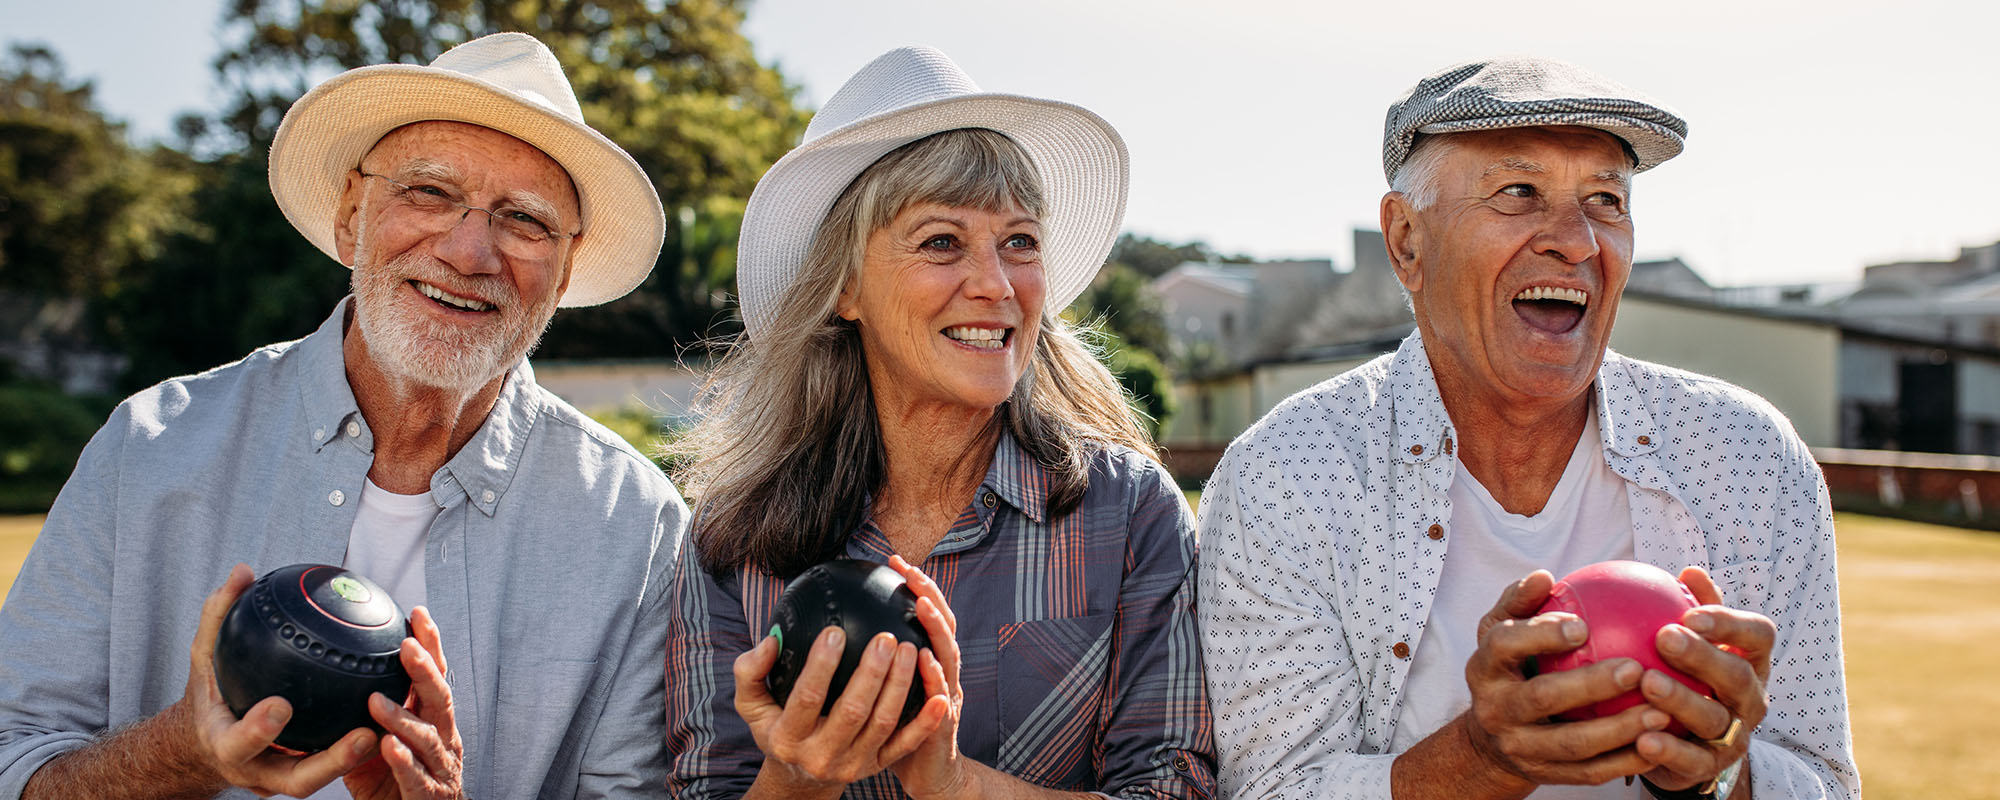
{"x": 1122, "y": 299}
{"x": 1149, "y": 388}
{"x": 42, "y": 431}
{"x": 241, "y": 279}
{"x": 676, "y": 84}
{"x": 1152, "y": 258}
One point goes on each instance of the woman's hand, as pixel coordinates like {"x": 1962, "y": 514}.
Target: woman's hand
{"x": 936, "y": 769}
{"x": 806, "y": 755}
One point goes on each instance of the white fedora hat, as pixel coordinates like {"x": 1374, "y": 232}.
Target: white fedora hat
{"x": 906, "y": 95}
{"x": 509, "y": 82}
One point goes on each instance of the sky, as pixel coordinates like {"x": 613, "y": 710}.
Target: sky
{"x": 1824, "y": 135}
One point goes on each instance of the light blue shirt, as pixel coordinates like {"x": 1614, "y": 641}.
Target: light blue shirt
{"x": 546, "y": 568}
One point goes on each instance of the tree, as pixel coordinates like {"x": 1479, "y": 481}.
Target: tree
{"x": 78, "y": 208}
{"x": 676, "y": 84}
{"x": 1152, "y": 257}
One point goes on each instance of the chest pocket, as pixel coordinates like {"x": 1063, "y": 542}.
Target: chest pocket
{"x": 1054, "y": 681}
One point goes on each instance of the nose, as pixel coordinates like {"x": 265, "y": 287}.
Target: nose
{"x": 468, "y": 245}
{"x": 989, "y": 279}
{"x": 1568, "y": 234}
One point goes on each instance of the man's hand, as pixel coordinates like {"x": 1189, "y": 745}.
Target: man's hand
{"x": 1726, "y": 648}
{"x": 238, "y": 751}
{"x": 421, "y": 754}
{"x": 1508, "y": 724}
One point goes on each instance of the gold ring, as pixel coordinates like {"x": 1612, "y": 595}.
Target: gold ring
{"x": 1729, "y": 737}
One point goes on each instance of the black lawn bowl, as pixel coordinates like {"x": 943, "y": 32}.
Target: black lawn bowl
{"x": 322, "y": 638}
{"x": 863, "y": 599}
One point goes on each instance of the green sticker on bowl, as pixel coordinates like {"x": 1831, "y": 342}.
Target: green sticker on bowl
{"x": 778, "y": 632}
{"x": 349, "y": 589}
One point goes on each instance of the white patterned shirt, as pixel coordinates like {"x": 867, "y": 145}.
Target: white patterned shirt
{"x": 1323, "y": 535}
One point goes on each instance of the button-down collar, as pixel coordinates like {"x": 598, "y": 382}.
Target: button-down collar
{"x": 479, "y": 473}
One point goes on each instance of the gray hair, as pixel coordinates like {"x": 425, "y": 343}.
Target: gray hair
{"x": 789, "y": 450}
{"x": 1418, "y": 177}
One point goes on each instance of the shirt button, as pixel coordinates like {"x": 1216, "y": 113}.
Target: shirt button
{"x": 1401, "y": 650}
{"x": 1645, "y": 440}
{"x": 336, "y": 497}
{"x": 353, "y": 429}
{"x": 1180, "y": 763}
{"x": 1416, "y": 449}
{"x": 318, "y": 434}
{"x": 1436, "y": 531}
{"x": 989, "y": 500}
{"x": 486, "y": 496}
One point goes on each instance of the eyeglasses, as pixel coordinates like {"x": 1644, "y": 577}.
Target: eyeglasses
{"x": 518, "y": 233}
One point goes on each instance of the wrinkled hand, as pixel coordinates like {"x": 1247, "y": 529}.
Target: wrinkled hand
{"x": 421, "y": 754}
{"x": 239, "y": 751}
{"x": 810, "y": 755}
{"x": 936, "y": 769}
{"x": 1509, "y": 723}
{"x": 1728, "y": 649}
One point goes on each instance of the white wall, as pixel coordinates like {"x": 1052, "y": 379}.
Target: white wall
{"x": 1795, "y": 364}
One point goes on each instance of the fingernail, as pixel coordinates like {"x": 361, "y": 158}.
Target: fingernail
{"x": 1658, "y": 684}
{"x": 834, "y": 637}
{"x": 1573, "y": 630}
{"x": 882, "y": 644}
{"x": 380, "y": 701}
{"x": 361, "y": 747}
{"x": 280, "y": 714}
{"x": 1672, "y": 641}
{"x": 1628, "y": 674}
{"x": 1655, "y": 720}
{"x": 1701, "y": 623}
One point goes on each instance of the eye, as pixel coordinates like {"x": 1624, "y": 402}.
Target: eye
{"x": 1022, "y": 241}
{"x": 1520, "y": 190}
{"x": 942, "y": 241}
{"x": 430, "y": 190}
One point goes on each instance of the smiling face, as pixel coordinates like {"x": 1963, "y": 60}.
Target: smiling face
{"x": 948, "y": 302}
{"x": 1516, "y": 268}
{"x": 438, "y": 298}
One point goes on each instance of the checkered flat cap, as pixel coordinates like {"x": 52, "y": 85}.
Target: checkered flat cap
{"x": 1522, "y": 92}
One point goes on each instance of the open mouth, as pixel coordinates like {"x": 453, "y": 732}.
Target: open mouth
{"x": 449, "y": 300}
{"x": 979, "y": 338}
{"x": 1551, "y": 309}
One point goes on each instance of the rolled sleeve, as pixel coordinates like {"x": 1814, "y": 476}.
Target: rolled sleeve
{"x": 626, "y": 756}
{"x": 709, "y": 747}
{"x": 55, "y": 626}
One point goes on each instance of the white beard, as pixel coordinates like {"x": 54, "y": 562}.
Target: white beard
{"x": 414, "y": 348}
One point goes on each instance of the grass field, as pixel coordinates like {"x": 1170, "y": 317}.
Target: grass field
{"x": 1922, "y": 626}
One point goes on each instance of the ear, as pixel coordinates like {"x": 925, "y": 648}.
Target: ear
{"x": 347, "y": 216}
{"x": 569, "y": 265}
{"x": 1404, "y": 239}
{"x": 849, "y": 304}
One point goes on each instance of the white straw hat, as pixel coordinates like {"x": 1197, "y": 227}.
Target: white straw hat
{"x": 906, "y": 95}
{"x": 509, "y": 82}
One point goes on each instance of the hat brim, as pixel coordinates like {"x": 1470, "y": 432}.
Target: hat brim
{"x": 1083, "y": 164}
{"x": 326, "y": 133}
{"x": 1651, "y": 144}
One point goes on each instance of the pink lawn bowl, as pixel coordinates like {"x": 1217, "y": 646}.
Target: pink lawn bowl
{"x": 1625, "y": 603}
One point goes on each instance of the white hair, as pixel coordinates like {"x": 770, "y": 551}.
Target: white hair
{"x": 1417, "y": 179}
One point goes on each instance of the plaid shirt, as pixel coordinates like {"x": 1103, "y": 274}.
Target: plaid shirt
{"x": 1079, "y": 660}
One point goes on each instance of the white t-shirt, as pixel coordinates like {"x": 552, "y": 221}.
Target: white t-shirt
{"x": 1588, "y": 519}
{"x": 387, "y": 545}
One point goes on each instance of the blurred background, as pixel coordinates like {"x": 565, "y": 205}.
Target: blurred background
{"x": 1829, "y": 239}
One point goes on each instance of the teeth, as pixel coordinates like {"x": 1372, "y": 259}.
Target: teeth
{"x": 1554, "y": 293}
{"x": 442, "y": 296}
{"x": 985, "y": 338}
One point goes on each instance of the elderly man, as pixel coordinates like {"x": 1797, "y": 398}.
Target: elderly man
{"x": 1355, "y": 539}
{"x": 405, "y": 438}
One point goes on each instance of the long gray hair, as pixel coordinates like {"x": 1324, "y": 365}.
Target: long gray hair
{"x": 788, "y": 450}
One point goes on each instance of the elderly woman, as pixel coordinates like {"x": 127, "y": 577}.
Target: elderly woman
{"x": 904, "y": 393}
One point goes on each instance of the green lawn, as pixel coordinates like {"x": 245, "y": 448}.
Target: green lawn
{"x": 1922, "y": 627}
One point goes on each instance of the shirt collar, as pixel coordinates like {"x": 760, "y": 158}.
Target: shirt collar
{"x": 480, "y": 472}
{"x": 1424, "y": 431}
{"x": 1018, "y": 478}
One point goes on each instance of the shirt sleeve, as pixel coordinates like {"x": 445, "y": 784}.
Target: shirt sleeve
{"x": 709, "y": 748}
{"x": 55, "y": 626}
{"x": 625, "y": 756}
{"x": 1803, "y": 748}
{"x": 1287, "y": 692}
{"x": 1159, "y": 736}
